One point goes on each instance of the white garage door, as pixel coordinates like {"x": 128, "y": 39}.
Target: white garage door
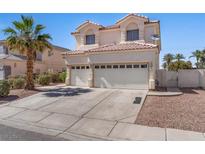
{"x": 80, "y": 75}
{"x": 128, "y": 76}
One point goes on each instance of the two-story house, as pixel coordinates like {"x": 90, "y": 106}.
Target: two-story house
{"x": 14, "y": 63}
{"x": 124, "y": 55}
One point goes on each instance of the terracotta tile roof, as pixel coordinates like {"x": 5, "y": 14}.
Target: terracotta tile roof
{"x": 12, "y": 56}
{"x": 152, "y": 21}
{"x": 116, "y": 25}
{"x": 123, "y": 46}
{"x": 116, "y": 47}
{"x": 87, "y": 22}
{"x": 110, "y": 27}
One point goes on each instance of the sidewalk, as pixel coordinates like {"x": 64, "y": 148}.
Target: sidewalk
{"x": 121, "y": 131}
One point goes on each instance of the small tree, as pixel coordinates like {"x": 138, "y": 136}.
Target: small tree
{"x": 175, "y": 66}
{"x": 28, "y": 39}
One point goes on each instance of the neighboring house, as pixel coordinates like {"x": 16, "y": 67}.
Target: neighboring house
{"x": 14, "y": 63}
{"x": 124, "y": 55}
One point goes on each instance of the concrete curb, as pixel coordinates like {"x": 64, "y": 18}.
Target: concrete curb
{"x": 157, "y": 93}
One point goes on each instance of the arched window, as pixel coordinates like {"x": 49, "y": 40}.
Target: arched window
{"x": 90, "y": 37}
{"x": 132, "y": 32}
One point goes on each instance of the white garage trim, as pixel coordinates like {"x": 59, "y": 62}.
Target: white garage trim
{"x": 80, "y": 75}
{"x": 128, "y": 76}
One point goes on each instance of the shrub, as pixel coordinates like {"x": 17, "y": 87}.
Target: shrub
{"x": 19, "y": 83}
{"x": 44, "y": 79}
{"x": 54, "y": 77}
{"x": 11, "y": 82}
{"x": 177, "y": 65}
{"x": 4, "y": 88}
{"x": 62, "y": 76}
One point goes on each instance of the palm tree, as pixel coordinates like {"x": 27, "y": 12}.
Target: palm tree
{"x": 168, "y": 58}
{"x": 202, "y": 59}
{"x": 197, "y": 54}
{"x": 164, "y": 65}
{"x": 27, "y": 38}
{"x": 179, "y": 57}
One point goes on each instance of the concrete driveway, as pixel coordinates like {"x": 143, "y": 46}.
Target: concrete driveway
{"x": 81, "y": 114}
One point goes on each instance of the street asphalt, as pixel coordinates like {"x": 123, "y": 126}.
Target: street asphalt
{"x": 14, "y": 134}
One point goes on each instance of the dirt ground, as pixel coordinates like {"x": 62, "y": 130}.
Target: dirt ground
{"x": 17, "y": 94}
{"x": 185, "y": 112}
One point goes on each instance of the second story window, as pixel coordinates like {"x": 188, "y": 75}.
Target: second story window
{"x": 90, "y": 39}
{"x": 3, "y": 50}
{"x": 39, "y": 56}
{"x": 133, "y": 35}
{"x": 50, "y": 53}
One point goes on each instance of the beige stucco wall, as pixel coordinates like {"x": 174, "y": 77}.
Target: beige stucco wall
{"x": 19, "y": 67}
{"x": 188, "y": 78}
{"x": 109, "y": 36}
{"x": 55, "y": 62}
{"x": 183, "y": 78}
{"x": 118, "y": 35}
{"x": 202, "y": 77}
{"x": 148, "y": 57}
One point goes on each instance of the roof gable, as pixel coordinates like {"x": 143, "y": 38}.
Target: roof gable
{"x": 137, "y": 16}
{"x": 87, "y": 23}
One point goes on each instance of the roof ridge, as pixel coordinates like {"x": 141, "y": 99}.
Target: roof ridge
{"x": 131, "y": 14}
{"x": 89, "y": 21}
{"x": 140, "y": 43}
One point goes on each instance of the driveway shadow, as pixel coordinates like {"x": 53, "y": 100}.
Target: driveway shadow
{"x": 8, "y": 99}
{"x": 189, "y": 90}
{"x": 66, "y": 92}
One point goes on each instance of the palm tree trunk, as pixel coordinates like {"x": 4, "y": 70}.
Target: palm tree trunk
{"x": 29, "y": 76}
{"x": 197, "y": 63}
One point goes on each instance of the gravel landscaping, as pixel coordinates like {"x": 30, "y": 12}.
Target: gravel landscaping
{"x": 185, "y": 112}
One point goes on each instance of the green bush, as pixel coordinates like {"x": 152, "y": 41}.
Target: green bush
{"x": 54, "y": 77}
{"x": 19, "y": 83}
{"x": 62, "y": 76}
{"x": 44, "y": 79}
{"x": 11, "y": 82}
{"x": 4, "y": 88}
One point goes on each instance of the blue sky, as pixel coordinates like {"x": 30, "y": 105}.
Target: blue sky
{"x": 180, "y": 33}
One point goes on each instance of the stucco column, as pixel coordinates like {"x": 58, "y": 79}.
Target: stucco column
{"x": 68, "y": 75}
{"x": 123, "y": 35}
{"x": 151, "y": 76}
{"x": 91, "y": 77}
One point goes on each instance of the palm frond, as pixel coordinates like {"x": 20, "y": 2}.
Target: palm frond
{"x": 10, "y": 31}
{"x": 38, "y": 29}
{"x": 19, "y": 26}
{"x": 44, "y": 37}
{"x": 28, "y": 22}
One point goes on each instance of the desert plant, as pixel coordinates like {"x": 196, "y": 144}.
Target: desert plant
{"x": 19, "y": 83}
{"x": 4, "y": 88}
{"x": 62, "y": 76}
{"x": 27, "y": 38}
{"x": 44, "y": 79}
